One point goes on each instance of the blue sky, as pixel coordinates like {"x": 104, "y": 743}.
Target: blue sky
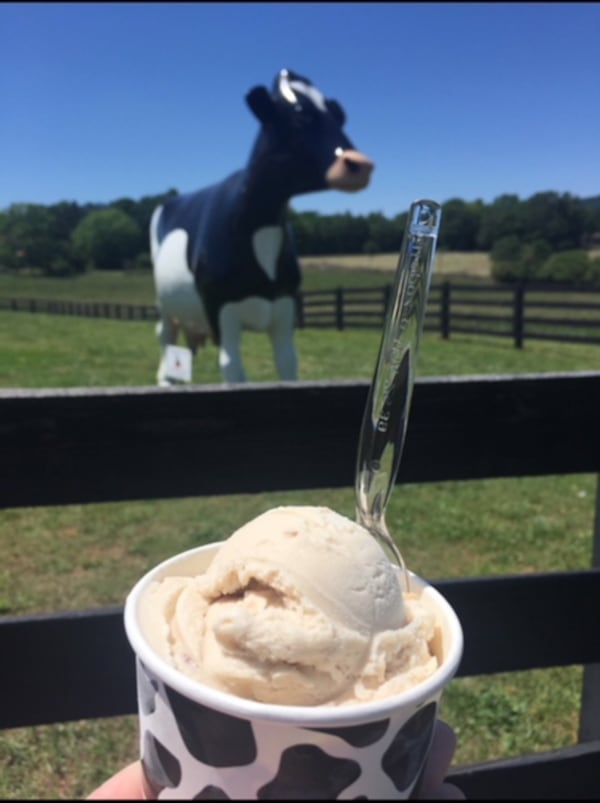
{"x": 108, "y": 100}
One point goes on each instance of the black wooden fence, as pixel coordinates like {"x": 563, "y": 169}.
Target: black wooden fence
{"x": 519, "y": 311}
{"x": 79, "y": 446}
{"x": 83, "y": 309}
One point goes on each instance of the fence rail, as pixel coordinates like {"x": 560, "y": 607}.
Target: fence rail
{"x": 519, "y": 311}
{"x": 84, "y": 309}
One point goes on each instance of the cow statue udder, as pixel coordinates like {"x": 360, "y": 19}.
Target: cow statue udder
{"x": 223, "y": 257}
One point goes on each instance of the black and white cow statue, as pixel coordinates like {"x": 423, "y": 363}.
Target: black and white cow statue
{"x": 223, "y": 257}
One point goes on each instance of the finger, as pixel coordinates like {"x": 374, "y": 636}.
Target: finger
{"x": 124, "y": 785}
{"x": 447, "y": 791}
{"x": 443, "y": 745}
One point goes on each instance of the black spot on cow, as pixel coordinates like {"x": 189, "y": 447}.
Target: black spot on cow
{"x": 216, "y": 739}
{"x": 359, "y": 735}
{"x": 147, "y": 690}
{"x": 307, "y": 773}
{"x": 403, "y": 760}
{"x": 161, "y": 767}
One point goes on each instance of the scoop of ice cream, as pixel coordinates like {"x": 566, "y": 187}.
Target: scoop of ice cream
{"x": 300, "y": 606}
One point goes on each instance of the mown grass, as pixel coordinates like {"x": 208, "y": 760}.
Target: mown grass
{"x": 454, "y": 264}
{"x": 457, "y": 264}
{"x": 38, "y": 350}
{"x": 319, "y": 273}
{"x": 80, "y": 556}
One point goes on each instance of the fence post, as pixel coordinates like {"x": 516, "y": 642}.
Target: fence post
{"x": 589, "y": 714}
{"x": 387, "y": 294}
{"x": 445, "y": 310}
{"x": 518, "y": 316}
{"x": 299, "y": 304}
{"x": 339, "y": 308}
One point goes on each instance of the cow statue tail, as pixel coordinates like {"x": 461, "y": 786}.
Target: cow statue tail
{"x": 154, "y": 243}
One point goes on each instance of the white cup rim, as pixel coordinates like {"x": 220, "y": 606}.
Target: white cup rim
{"x": 302, "y": 716}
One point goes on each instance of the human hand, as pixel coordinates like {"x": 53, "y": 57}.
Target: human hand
{"x": 127, "y": 784}
{"x": 433, "y": 786}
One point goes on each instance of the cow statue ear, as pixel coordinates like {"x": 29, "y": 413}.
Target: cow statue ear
{"x": 336, "y": 111}
{"x": 261, "y": 103}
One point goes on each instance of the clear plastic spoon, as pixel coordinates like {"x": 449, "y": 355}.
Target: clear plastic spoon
{"x": 385, "y": 417}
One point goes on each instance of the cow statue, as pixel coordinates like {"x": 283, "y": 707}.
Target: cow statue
{"x": 223, "y": 257}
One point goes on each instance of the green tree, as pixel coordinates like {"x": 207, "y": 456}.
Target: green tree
{"x": 592, "y": 217}
{"x": 567, "y": 266}
{"x": 506, "y": 249}
{"x": 533, "y": 256}
{"x": 305, "y": 227}
{"x": 505, "y": 255}
{"x": 8, "y": 257}
{"x": 106, "y": 239}
{"x": 65, "y": 217}
{"x": 502, "y": 218}
{"x": 384, "y": 235}
{"x": 29, "y": 237}
{"x": 560, "y": 220}
{"x": 461, "y": 222}
{"x": 513, "y": 260}
{"x": 593, "y": 274}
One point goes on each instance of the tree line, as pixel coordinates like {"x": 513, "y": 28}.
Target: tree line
{"x": 522, "y": 235}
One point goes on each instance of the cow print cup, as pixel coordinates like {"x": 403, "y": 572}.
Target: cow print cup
{"x": 199, "y": 743}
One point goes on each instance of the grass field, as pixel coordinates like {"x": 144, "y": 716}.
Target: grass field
{"x": 475, "y": 265}
{"x": 39, "y": 350}
{"x": 319, "y": 272}
{"x": 87, "y": 556}
{"x": 136, "y": 287}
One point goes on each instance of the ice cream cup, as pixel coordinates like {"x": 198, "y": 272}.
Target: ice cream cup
{"x": 197, "y": 742}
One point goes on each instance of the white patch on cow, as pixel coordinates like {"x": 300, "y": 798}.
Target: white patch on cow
{"x": 311, "y": 92}
{"x": 176, "y": 293}
{"x": 258, "y": 314}
{"x": 284, "y": 88}
{"x": 180, "y": 307}
{"x": 266, "y": 243}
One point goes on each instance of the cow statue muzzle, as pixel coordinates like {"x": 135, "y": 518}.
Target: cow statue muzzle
{"x": 350, "y": 172}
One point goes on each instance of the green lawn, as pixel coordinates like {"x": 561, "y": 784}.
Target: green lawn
{"x": 38, "y": 350}
{"x": 86, "y": 556}
{"x": 319, "y": 273}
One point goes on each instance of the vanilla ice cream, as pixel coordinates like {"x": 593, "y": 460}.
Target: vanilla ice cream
{"x": 300, "y": 606}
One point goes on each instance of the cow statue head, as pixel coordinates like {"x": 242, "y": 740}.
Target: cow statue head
{"x": 302, "y": 138}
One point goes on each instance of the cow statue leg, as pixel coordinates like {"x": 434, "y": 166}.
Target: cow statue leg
{"x": 230, "y": 355}
{"x": 281, "y": 332}
{"x": 167, "y": 332}
{"x": 180, "y": 306}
